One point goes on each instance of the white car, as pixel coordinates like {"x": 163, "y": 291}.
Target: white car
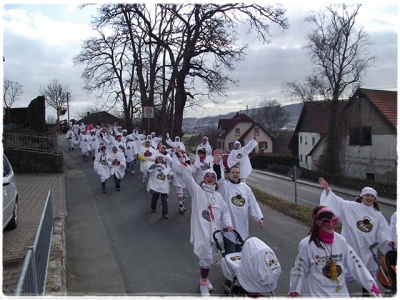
{"x": 10, "y": 196}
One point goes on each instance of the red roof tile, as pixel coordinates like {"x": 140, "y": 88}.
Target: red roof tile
{"x": 384, "y": 101}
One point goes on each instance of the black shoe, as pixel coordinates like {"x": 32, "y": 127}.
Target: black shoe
{"x": 166, "y": 217}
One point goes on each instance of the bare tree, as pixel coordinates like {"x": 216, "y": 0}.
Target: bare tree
{"x": 172, "y": 45}
{"x": 339, "y": 51}
{"x": 11, "y": 91}
{"x": 271, "y": 116}
{"x": 56, "y": 95}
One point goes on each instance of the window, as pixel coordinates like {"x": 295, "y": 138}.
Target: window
{"x": 301, "y": 140}
{"x": 313, "y": 141}
{"x": 263, "y": 145}
{"x": 257, "y": 131}
{"x": 305, "y": 140}
{"x": 360, "y": 136}
{"x": 237, "y": 131}
{"x": 301, "y": 157}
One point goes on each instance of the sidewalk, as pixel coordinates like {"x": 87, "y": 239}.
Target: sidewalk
{"x": 33, "y": 190}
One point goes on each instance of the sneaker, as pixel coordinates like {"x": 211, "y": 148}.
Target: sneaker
{"x": 133, "y": 172}
{"x": 209, "y": 285}
{"x": 182, "y": 211}
{"x": 166, "y": 217}
{"x": 204, "y": 290}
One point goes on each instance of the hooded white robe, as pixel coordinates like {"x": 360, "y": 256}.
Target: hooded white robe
{"x": 102, "y": 166}
{"x": 241, "y": 155}
{"x": 208, "y": 211}
{"x": 118, "y": 164}
{"x": 241, "y": 201}
{"x": 357, "y": 233}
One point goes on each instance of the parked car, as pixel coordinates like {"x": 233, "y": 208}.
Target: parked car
{"x": 10, "y": 196}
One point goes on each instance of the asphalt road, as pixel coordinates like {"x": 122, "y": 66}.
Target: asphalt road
{"x": 308, "y": 193}
{"x": 116, "y": 246}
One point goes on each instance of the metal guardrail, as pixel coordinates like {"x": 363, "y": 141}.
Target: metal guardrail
{"x": 32, "y": 280}
{"x": 21, "y": 141}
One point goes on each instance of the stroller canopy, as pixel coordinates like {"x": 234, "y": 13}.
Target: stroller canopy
{"x": 259, "y": 268}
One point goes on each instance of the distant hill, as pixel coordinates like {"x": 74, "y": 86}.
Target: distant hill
{"x": 196, "y": 124}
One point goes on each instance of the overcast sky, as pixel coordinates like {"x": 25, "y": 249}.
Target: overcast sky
{"x": 40, "y": 41}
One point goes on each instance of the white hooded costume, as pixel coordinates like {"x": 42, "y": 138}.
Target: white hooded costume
{"x": 241, "y": 201}
{"x": 208, "y": 211}
{"x": 241, "y": 156}
{"x": 158, "y": 176}
{"x": 362, "y": 226}
{"x": 118, "y": 164}
{"x": 102, "y": 165}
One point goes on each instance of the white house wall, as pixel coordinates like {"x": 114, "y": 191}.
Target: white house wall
{"x": 380, "y": 158}
{"x": 306, "y": 144}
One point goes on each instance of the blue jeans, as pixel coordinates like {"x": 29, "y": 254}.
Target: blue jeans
{"x": 164, "y": 202}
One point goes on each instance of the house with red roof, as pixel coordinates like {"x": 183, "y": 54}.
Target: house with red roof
{"x": 241, "y": 128}
{"x": 368, "y": 121}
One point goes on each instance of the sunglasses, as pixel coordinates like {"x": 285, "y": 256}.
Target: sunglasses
{"x": 210, "y": 176}
{"x": 326, "y": 222}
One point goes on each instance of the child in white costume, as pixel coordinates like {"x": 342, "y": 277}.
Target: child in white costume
{"x": 319, "y": 269}
{"x": 118, "y": 165}
{"x": 102, "y": 166}
{"x": 362, "y": 223}
{"x": 209, "y": 213}
{"x": 71, "y": 136}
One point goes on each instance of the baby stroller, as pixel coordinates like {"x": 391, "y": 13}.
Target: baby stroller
{"x": 252, "y": 272}
{"x": 386, "y": 274}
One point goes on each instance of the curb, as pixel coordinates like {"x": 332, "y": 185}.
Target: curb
{"x": 56, "y": 284}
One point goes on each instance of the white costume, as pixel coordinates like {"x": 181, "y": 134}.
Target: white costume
{"x": 241, "y": 201}
{"x": 102, "y": 166}
{"x": 206, "y": 147}
{"x": 94, "y": 143}
{"x": 84, "y": 143}
{"x": 130, "y": 149}
{"x": 177, "y": 144}
{"x": 145, "y": 154}
{"x": 75, "y": 129}
{"x": 177, "y": 179}
{"x": 208, "y": 212}
{"x": 158, "y": 176}
{"x": 310, "y": 277}
{"x": 241, "y": 156}
{"x": 362, "y": 226}
{"x": 200, "y": 166}
{"x": 71, "y": 136}
{"x": 118, "y": 164}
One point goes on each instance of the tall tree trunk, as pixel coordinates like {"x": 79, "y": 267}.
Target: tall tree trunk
{"x": 333, "y": 143}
